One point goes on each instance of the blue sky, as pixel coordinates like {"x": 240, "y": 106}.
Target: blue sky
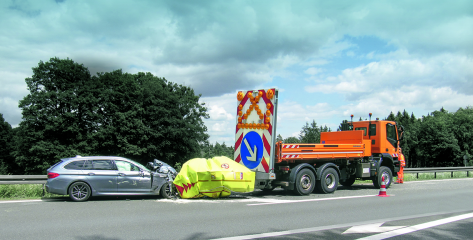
{"x": 329, "y": 59}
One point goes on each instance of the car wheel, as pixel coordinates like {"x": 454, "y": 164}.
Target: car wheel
{"x": 328, "y": 181}
{"x": 79, "y": 191}
{"x": 305, "y": 182}
{"x": 388, "y": 177}
{"x": 167, "y": 190}
{"x": 349, "y": 181}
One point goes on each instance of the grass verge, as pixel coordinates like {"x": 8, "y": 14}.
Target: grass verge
{"x": 24, "y": 191}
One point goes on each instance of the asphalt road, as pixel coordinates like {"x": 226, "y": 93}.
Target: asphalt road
{"x": 437, "y": 209}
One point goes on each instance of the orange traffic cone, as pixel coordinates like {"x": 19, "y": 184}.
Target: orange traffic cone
{"x": 382, "y": 190}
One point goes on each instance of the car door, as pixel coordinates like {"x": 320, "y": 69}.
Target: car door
{"x": 102, "y": 175}
{"x": 131, "y": 178}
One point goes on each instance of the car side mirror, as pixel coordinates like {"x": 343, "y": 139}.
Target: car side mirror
{"x": 151, "y": 165}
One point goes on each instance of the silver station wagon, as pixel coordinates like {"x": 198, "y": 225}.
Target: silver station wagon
{"x": 83, "y": 177}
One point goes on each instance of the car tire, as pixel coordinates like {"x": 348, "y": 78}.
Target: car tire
{"x": 305, "y": 182}
{"x": 388, "y": 177}
{"x": 349, "y": 181}
{"x": 167, "y": 190}
{"x": 79, "y": 191}
{"x": 328, "y": 182}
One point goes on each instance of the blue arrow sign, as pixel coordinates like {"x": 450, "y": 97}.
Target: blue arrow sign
{"x": 251, "y": 150}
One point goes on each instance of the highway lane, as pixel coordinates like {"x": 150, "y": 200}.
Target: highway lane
{"x": 326, "y": 216}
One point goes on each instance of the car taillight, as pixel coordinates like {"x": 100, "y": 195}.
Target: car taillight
{"x": 52, "y": 175}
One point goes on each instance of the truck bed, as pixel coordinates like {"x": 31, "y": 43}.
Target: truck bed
{"x": 334, "y": 145}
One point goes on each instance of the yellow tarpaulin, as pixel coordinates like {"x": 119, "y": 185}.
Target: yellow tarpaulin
{"x": 215, "y": 177}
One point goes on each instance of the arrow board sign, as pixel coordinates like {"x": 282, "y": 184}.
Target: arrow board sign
{"x": 252, "y": 151}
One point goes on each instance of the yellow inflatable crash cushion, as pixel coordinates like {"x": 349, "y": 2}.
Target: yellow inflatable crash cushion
{"x": 215, "y": 177}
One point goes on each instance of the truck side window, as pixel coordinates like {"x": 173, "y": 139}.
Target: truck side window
{"x": 391, "y": 134}
{"x": 373, "y": 130}
{"x": 362, "y": 128}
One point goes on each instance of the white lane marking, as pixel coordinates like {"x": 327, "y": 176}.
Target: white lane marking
{"x": 418, "y": 227}
{"x": 274, "y": 201}
{"x": 324, "y": 228}
{"x": 371, "y": 228}
{"x": 21, "y": 201}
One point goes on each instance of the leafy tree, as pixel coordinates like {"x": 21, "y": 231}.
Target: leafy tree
{"x": 310, "y": 133}
{"x": 463, "y": 131}
{"x": 437, "y": 143}
{"x": 291, "y": 140}
{"x": 6, "y": 159}
{"x": 56, "y": 114}
{"x": 140, "y": 116}
{"x": 210, "y": 150}
{"x": 279, "y": 138}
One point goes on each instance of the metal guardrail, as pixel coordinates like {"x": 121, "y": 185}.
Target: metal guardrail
{"x": 23, "y": 179}
{"x": 439, "y": 169}
{"x": 41, "y": 179}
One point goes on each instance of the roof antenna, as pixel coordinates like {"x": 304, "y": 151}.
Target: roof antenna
{"x": 352, "y": 128}
{"x": 369, "y": 127}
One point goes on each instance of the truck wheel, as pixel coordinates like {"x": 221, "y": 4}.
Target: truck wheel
{"x": 388, "y": 177}
{"x": 305, "y": 182}
{"x": 328, "y": 181}
{"x": 349, "y": 181}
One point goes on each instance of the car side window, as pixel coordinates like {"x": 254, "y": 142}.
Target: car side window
{"x": 103, "y": 165}
{"x": 126, "y": 166}
{"x": 75, "y": 165}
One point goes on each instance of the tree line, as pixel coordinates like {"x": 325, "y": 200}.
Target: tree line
{"x": 69, "y": 112}
{"x": 440, "y": 139}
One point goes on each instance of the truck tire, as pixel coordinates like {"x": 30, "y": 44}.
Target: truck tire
{"x": 349, "y": 181}
{"x": 328, "y": 181}
{"x": 388, "y": 177}
{"x": 305, "y": 182}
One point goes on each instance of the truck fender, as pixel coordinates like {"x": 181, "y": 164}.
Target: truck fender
{"x": 388, "y": 161}
{"x": 321, "y": 169}
{"x": 295, "y": 170}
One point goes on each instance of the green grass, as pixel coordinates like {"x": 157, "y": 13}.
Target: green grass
{"x": 23, "y": 191}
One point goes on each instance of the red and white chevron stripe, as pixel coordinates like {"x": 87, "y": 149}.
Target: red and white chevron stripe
{"x": 290, "y": 146}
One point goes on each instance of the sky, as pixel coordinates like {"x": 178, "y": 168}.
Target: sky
{"x": 329, "y": 59}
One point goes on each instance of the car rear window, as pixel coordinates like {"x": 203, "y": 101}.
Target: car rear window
{"x": 55, "y": 164}
{"x": 76, "y": 165}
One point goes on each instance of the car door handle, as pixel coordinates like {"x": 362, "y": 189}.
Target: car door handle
{"x": 91, "y": 174}
{"x": 121, "y": 174}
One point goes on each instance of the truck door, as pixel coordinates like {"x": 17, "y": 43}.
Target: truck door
{"x": 391, "y": 134}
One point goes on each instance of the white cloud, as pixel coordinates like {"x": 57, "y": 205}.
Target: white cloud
{"x": 219, "y": 47}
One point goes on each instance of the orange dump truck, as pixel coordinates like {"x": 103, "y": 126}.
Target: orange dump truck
{"x": 365, "y": 150}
